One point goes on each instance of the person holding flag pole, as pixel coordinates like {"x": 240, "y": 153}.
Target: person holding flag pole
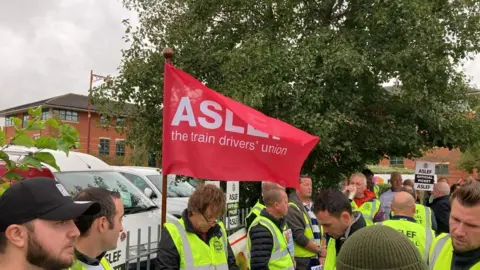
{"x": 207, "y": 135}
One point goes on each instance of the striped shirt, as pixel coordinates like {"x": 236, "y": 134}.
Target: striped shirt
{"x": 314, "y": 223}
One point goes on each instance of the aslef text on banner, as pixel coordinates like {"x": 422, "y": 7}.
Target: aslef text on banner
{"x": 209, "y": 136}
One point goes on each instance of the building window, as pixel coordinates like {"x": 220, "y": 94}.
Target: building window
{"x": 396, "y": 161}
{"x": 104, "y": 148}
{"x": 103, "y": 120}
{"x": 67, "y": 115}
{"x": 45, "y": 115}
{"x": 9, "y": 121}
{"x": 25, "y": 120}
{"x": 441, "y": 168}
{"x": 120, "y": 148}
{"x": 120, "y": 122}
{"x": 36, "y": 136}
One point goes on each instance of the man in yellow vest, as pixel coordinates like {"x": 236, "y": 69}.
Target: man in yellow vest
{"x": 363, "y": 200}
{"x": 197, "y": 240}
{"x": 403, "y": 204}
{"x": 259, "y": 206}
{"x": 334, "y": 212}
{"x": 460, "y": 249}
{"x": 269, "y": 241}
{"x": 99, "y": 233}
{"x": 423, "y": 214}
{"x": 307, "y": 234}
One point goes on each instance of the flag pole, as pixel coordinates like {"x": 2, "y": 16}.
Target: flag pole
{"x": 89, "y": 111}
{"x": 168, "y": 55}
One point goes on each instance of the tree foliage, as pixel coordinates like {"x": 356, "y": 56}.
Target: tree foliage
{"x": 60, "y": 136}
{"x": 316, "y": 64}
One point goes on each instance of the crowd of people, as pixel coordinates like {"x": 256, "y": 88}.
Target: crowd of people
{"x": 359, "y": 228}
{"x": 43, "y": 227}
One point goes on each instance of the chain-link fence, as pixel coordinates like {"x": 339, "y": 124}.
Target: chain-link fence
{"x": 142, "y": 256}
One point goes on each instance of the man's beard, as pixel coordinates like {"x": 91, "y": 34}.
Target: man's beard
{"x": 37, "y": 255}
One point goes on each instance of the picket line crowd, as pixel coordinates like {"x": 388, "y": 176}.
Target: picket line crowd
{"x": 353, "y": 228}
{"x": 43, "y": 227}
{"x": 357, "y": 229}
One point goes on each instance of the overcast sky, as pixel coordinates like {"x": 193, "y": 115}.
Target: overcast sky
{"x": 48, "y": 47}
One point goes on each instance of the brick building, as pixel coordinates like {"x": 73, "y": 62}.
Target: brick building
{"x": 106, "y": 143}
{"x": 445, "y": 159}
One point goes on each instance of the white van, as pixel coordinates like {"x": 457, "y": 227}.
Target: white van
{"x": 79, "y": 171}
{"x": 149, "y": 181}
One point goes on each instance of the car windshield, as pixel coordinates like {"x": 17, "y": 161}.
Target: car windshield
{"x": 180, "y": 189}
{"x": 192, "y": 181}
{"x": 131, "y": 197}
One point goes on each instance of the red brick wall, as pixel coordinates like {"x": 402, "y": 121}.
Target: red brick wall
{"x": 440, "y": 155}
{"x": 96, "y": 133}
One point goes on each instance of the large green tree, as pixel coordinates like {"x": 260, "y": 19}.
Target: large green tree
{"x": 316, "y": 64}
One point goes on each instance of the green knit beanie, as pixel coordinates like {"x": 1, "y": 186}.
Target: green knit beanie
{"x": 379, "y": 247}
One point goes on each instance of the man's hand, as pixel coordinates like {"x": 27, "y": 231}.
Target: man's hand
{"x": 350, "y": 189}
{"x": 323, "y": 251}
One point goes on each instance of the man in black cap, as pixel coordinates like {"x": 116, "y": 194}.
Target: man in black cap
{"x": 37, "y": 229}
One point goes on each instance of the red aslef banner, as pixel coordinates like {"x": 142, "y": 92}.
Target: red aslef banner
{"x": 207, "y": 135}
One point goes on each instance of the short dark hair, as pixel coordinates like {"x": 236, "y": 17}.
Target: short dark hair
{"x": 333, "y": 201}
{"x": 304, "y": 176}
{"x": 270, "y": 197}
{"x": 105, "y": 198}
{"x": 3, "y": 242}
{"x": 367, "y": 172}
{"x": 468, "y": 194}
{"x": 454, "y": 187}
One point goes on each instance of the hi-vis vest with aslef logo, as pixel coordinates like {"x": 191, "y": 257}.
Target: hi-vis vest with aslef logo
{"x": 420, "y": 236}
{"x": 441, "y": 254}
{"x": 368, "y": 209}
{"x": 77, "y": 265}
{"x": 423, "y": 215}
{"x": 302, "y": 252}
{"x": 280, "y": 258}
{"x": 194, "y": 252}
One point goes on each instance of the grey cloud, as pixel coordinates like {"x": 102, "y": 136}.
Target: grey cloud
{"x": 49, "y": 47}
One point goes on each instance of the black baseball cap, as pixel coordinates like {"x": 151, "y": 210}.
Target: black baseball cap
{"x": 40, "y": 198}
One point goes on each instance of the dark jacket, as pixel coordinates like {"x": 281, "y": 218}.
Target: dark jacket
{"x": 89, "y": 260}
{"x": 296, "y": 220}
{"x": 441, "y": 209}
{"x": 167, "y": 255}
{"x": 465, "y": 260}
{"x": 357, "y": 225}
{"x": 262, "y": 242}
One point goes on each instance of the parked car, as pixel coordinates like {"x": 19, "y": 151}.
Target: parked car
{"x": 79, "y": 171}
{"x": 149, "y": 181}
{"x": 29, "y": 173}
